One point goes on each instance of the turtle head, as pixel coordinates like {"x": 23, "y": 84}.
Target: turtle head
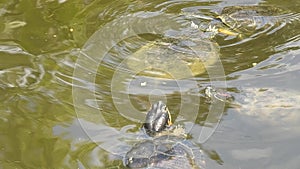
{"x": 158, "y": 118}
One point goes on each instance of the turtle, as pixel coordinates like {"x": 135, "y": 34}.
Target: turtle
{"x": 167, "y": 147}
{"x": 247, "y": 19}
{"x": 271, "y": 105}
{"x": 242, "y": 20}
{"x": 183, "y": 54}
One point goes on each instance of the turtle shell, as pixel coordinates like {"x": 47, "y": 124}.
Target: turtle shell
{"x": 167, "y": 152}
{"x": 183, "y": 57}
{"x": 273, "y": 105}
{"x": 250, "y": 18}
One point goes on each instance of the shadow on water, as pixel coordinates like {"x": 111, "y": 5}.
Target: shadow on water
{"x": 45, "y": 124}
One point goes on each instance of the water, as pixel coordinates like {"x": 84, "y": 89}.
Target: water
{"x": 64, "y": 105}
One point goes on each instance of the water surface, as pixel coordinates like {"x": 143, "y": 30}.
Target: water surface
{"x": 64, "y": 107}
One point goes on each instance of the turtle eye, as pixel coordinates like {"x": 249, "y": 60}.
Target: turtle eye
{"x": 165, "y": 108}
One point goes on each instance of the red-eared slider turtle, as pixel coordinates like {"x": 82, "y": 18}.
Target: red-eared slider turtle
{"x": 273, "y": 105}
{"x": 244, "y": 20}
{"x": 247, "y": 19}
{"x": 167, "y": 149}
{"x": 183, "y": 55}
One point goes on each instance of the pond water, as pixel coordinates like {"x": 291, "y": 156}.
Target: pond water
{"x": 69, "y": 98}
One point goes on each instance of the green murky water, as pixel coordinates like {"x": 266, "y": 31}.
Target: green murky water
{"x": 68, "y": 101}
